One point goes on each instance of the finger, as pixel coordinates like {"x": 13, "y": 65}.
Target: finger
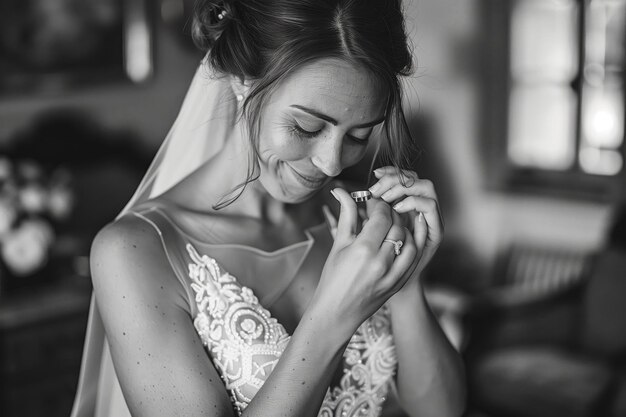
{"x": 388, "y": 245}
{"x": 396, "y": 218}
{"x": 418, "y": 255}
{"x": 428, "y": 206}
{"x": 387, "y": 181}
{"x": 378, "y": 223}
{"x": 362, "y": 213}
{"x": 363, "y": 216}
{"x": 408, "y": 218}
{"x": 346, "y": 225}
{"x": 424, "y": 188}
{"x": 403, "y": 264}
{"x": 429, "y": 239}
{"x": 405, "y": 220}
{"x": 330, "y": 219}
{"x": 390, "y": 178}
{"x": 420, "y": 232}
{"x": 391, "y": 170}
{"x": 369, "y": 208}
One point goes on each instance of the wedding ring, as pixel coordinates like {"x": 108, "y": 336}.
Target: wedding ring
{"x": 397, "y": 244}
{"x": 360, "y": 196}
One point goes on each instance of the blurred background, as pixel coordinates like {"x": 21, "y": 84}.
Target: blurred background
{"x": 517, "y": 106}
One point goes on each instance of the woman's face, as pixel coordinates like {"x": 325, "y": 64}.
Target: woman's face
{"x": 316, "y": 123}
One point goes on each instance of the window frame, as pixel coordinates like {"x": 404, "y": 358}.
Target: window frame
{"x": 495, "y": 80}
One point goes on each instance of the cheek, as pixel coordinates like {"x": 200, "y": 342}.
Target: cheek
{"x": 352, "y": 154}
{"x": 277, "y": 143}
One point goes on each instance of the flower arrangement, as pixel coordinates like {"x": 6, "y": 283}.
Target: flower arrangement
{"x": 33, "y": 202}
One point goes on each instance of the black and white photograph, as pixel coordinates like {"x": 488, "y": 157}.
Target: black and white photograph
{"x": 312, "y": 208}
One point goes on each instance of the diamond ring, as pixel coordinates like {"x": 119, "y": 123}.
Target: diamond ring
{"x": 397, "y": 244}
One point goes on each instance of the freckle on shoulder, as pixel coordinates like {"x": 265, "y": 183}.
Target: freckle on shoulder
{"x": 124, "y": 239}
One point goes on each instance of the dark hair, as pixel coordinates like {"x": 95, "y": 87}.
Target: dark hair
{"x": 266, "y": 40}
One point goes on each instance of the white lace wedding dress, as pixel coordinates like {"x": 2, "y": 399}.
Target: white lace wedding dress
{"x": 242, "y": 339}
{"x": 245, "y": 342}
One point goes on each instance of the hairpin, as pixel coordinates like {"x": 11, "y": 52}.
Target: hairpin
{"x": 222, "y": 15}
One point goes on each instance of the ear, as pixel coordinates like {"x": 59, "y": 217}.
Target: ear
{"x": 240, "y": 87}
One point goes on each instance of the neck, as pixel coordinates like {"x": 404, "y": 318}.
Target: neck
{"x": 221, "y": 175}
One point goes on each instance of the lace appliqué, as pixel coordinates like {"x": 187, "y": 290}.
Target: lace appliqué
{"x": 369, "y": 364}
{"x": 245, "y": 343}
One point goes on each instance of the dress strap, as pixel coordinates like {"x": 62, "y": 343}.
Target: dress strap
{"x": 174, "y": 246}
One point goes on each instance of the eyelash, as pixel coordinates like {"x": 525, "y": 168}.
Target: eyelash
{"x": 303, "y": 133}
{"x": 295, "y": 128}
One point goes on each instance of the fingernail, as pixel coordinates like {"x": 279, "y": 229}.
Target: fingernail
{"x": 398, "y": 206}
{"x": 334, "y": 195}
{"x": 374, "y": 188}
{"x": 378, "y": 173}
{"x": 325, "y": 212}
{"x": 420, "y": 217}
{"x": 386, "y": 196}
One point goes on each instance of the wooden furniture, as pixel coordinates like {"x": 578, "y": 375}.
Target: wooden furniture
{"x": 41, "y": 340}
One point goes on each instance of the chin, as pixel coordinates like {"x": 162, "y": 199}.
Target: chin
{"x": 289, "y": 193}
{"x": 284, "y": 185}
{"x": 292, "y": 195}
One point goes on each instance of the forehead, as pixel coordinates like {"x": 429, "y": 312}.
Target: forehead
{"x": 334, "y": 87}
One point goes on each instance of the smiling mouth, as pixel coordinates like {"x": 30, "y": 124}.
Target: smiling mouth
{"x": 307, "y": 181}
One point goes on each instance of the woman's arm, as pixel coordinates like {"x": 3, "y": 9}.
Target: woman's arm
{"x": 160, "y": 361}
{"x": 430, "y": 378}
{"x": 158, "y": 357}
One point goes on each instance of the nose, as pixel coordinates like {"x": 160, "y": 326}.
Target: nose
{"x": 327, "y": 156}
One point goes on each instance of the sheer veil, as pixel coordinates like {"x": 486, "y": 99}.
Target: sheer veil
{"x": 203, "y": 124}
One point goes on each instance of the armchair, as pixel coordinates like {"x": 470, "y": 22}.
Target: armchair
{"x": 560, "y": 352}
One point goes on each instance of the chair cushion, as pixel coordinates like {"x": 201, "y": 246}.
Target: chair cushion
{"x": 604, "y": 310}
{"x": 537, "y": 382}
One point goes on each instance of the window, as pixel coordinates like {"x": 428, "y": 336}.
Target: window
{"x": 562, "y": 93}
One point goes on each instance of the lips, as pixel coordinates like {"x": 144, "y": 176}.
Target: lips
{"x": 306, "y": 180}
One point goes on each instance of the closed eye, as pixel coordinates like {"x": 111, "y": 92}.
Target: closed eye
{"x": 357, "y": 140}
{"x": 308, "y": 134}
{"x": 305, "y": 133}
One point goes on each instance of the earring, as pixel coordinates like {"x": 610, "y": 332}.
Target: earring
{"x": 239, "y": 97}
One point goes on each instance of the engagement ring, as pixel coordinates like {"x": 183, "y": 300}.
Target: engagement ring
{"x": 397, "y": 244}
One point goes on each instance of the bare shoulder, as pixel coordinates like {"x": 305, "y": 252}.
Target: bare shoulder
{"x": 126, "y": 234}
{"x": 129, "y": 238}
{"x": 127, "y": 257}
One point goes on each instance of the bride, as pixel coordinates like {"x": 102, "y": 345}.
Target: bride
{"x": 220, "y": 290}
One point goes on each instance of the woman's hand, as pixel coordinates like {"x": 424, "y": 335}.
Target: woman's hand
{"x": 430, "y": 378}
{"x": 417, "y": 202}
{"x": 362, "y": 270}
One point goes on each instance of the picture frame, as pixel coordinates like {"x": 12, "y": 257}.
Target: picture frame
{"x": 59, "y": 45}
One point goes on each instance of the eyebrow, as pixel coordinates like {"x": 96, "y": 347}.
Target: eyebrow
{"x": 333, "y": 121}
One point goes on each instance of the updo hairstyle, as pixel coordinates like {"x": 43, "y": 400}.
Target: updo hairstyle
{"x": 266, "y": 40}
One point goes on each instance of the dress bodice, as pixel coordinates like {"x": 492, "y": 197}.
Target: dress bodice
{"x": 245, "y": 342}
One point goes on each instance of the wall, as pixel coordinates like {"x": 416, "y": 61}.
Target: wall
{"x": 445, "y": 34}
{"x": 148, "y": 109}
